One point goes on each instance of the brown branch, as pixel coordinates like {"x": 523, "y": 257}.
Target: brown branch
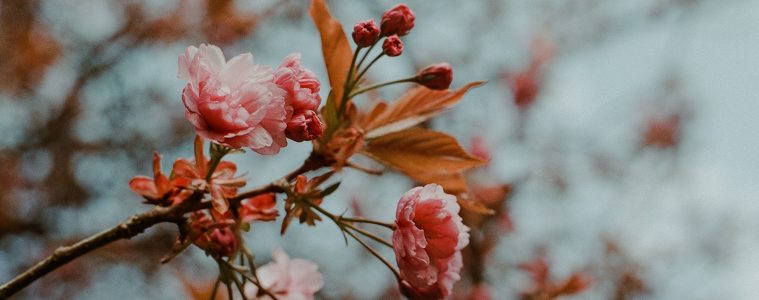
{"x": 133, "y": 226}
{"x": 136, "y": 224}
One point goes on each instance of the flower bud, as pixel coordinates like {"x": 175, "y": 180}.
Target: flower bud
{"x": 393, "y": 46}
{"x": 436, "y": 77}
{"x": 397, "y": 20}
{"x": 365, "y": 33}
{"x": 305, "y": 125}
{"x": 222, "y": 241}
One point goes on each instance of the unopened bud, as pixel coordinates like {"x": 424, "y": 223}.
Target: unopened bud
{"x": 397, "y": 20}
{"x": 393, "y": 46}
{"x": 436, "y": 77}
{"x": 305, "y": 125}
{"x": 365, "y": 33}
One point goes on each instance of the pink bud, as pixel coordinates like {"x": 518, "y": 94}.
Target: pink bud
{"x": 397, "y": 20}
{"x": 436, "y": 77}
{"x": 305, "y": 125}
{"x": 222, "y": 241}
{"x": 393, "y": 46}
{"x": 365, "y": 33}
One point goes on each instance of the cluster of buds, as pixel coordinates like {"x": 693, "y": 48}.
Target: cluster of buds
{"x": 397, "y": 22}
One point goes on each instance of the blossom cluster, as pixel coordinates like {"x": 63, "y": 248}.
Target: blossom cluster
{"x": 237, "y": 103}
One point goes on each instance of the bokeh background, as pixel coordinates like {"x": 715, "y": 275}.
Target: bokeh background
{"x": 622, "y": 137}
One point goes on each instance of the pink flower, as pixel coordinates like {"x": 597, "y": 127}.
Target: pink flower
{"x": 428, "y": 239}
{"x": 304, "y": 126}
{"x": 300, "y": 85}
{"x": 397, "y": 20}
{"x": 393, "y": 46}
{"x": 365, "y": 33}
{"x": 233, "y": 103}
{"x": 437, "y": 76}
{"x": 215, "y": 237}
{"x": 301, "y": 99}
{"x": 288, "y": 279}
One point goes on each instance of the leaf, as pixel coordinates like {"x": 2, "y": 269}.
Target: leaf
{"x": 329, "y": 115}
{"x": 474, "y": 205}
{"x": 452, "y": 183}
{"x": 329, "y": 190}
{"x": 415, "y": 106}
{"x": 424, "y": 155}
{"x": 335, "y": 48}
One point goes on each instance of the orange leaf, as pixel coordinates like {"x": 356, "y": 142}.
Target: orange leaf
{"x": 474, "y": 205}
{"x": 424, "y": 155}
{"x": 452, "y": 183}
{"x": 415, "y": 106}
{"x": 335, "y": 48}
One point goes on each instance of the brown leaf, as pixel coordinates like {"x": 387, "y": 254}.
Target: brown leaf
{"x": 424, "y": 155}
{"x": 415, "y": 106}
{"x": 474, "y": 205}
{"x": 335, "y": 48}
{"x": 452, "y": 183}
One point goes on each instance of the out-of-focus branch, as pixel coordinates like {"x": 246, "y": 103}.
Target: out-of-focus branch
{"x": 133, "y": 226}
{"x": 137, "y": 224}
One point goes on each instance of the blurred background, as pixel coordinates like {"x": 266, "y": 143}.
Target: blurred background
{"x": 622, "y": 138}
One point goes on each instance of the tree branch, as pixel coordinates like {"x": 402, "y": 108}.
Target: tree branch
{"x": 137, "y": 224}
{"x": 133, "y": 226}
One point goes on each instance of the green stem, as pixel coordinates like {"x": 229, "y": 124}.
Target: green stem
{"x": 348, "y": 84}
{"x": 361, "y": 74}
{"x": 361, "y": 62}
{"x": 376, "y": 254}
{"x": 369, "y": 235}
{"x": 215, "y": 288}
{"x": 379, "y": 85}
{"x": 369, "y": 221}
{"x": 229, "y": 291}
{"x": 216, "y": 159}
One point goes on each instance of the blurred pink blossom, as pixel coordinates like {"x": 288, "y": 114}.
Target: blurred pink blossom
{"x": 288, "y": 279}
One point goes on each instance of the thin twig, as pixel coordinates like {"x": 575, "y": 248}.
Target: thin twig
{"x": 215, "y": 289}
{"x": 258, "y": 284}
{"x": 369, "y": 235}
{"x": 376, "y": 254}
{"x": 368, "y": 221}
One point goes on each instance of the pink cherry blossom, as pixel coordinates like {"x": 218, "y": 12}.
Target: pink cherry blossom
{"x": 234, "y": 103}
{"x": 428, "y": 239}
{"x": 300, "y": 84}
{"x": 288, "y": 279}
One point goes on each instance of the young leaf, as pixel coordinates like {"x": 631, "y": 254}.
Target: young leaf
{"x": 335, "y": 48}
{"x": 451, "y": 183}
{"x": 329, "y": 190}
{"x": 424, "y": 155}
{"x": 474, "y": 205}
{"x": 415, "y": 106}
